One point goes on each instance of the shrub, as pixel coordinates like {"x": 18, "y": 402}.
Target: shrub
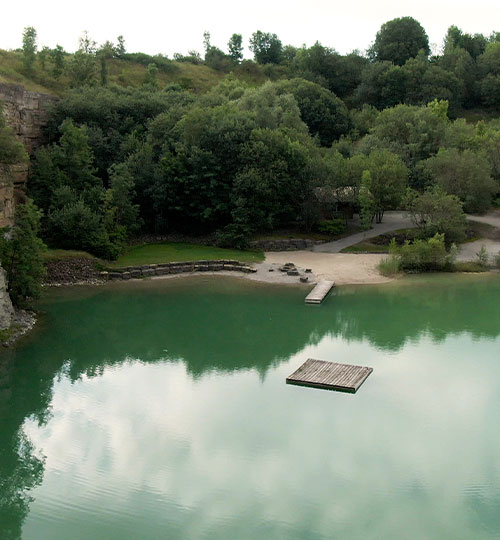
{"x": 234, "y": 235}
{"x": 497, "y": 260}
{"x": 332, "y": 226}
{"x": 421, "y": 255}
{"x": 389, "y": 266}
{"x": 482, "y": 256}
{"x": 452, "y": 255}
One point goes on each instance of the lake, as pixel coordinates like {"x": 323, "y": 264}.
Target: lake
{"x": 159, "y": 410}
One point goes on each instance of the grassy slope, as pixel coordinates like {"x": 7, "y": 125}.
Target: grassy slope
{"x": 198, "y": 78}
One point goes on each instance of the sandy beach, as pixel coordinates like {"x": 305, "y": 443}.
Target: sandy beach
{"x": 343, "y": 268}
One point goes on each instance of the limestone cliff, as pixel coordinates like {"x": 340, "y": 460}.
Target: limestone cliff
{"x": 27, "y": 113}
{"x": 6, "y": 309}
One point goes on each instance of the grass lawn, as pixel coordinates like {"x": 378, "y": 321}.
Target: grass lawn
{"x": 179, "y": 251}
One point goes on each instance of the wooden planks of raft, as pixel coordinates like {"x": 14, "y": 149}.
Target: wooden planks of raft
{"x": 319, "y": 293}
{"x": 329, "y": 375}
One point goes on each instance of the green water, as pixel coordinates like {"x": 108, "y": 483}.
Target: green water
{"x": 160, "y": 410}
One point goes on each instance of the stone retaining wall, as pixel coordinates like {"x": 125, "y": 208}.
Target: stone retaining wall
{"x": 150, "y": 270}
{"x": 285, "y": 244}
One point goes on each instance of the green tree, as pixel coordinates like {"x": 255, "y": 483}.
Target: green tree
{"x": 366, "y": 201}
{"x": 434, "y": 211}
{"x": 274, "y": 182}
{"x": 235, "y": 48}
{"x": 414, "y": 133}
{"x": 466, "y": 174}
{"x": 266, "y": 47}
{"x": 43, "y": 56}
{"x": 83, "y": 65}
{"x": 324, "y": 113}
{"x": 122, "y": 198}
{"x": 388, "y": 178}
{"x": 120, "y": 49}
{"x": 322, "y": 65}
{"x": 57, "y": 56}
{"x": 473, "y": 44}
{"x": 21, "y": 254}
{"x": 29, "y": 48}
{"x": 398, "y": 40}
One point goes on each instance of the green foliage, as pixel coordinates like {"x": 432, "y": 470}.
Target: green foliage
{"x": 426, "y": 255}
{"x": 235, "y": 48}
{"x": 389, "y": 266}
{"x": 482, "y": 256}
{"x": 75, "y": 225}
{"x": 120, "y": 49}
{"x": 21, "y": 254}
{"x": 11, "y": 150}
{"x": 122, "y": 197}
{"x": 362, "y": 120}
{"x": 456, "y": 39}
{"x": 497, "y": 260}
{"x": 434, "y": 211}
{"x": 398, "y": 40}
{"x": 452, "y": 255}
{"x": 465, "y": 174}
{"x": 57, "y": 57}
{"x": 366, "y": 201}
{"x": 151, "y": 76}
{"x": 274, "y": 180}
{"x": 80, "y": 212}
{"x": 333, "y": 227}
{"x": 322, "y": 65}
{"x": 324, "y": 113}
{"x": 29, "y": 48}
{"x": 388, "y": 178}
{"x": 414, "y": 133}
{"x": 266, "y": 47}
{"x": 234, "y": 235}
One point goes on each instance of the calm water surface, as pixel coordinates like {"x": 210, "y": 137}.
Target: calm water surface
{"x": 160, "y": 410}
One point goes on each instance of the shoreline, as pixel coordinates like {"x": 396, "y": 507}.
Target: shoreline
{"x": 343, "y": 268}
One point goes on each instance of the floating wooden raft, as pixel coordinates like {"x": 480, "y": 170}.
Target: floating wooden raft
{"x": 319, "y": 293}
{"x": 329, "y": 375}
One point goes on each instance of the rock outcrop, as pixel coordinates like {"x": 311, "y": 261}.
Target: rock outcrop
{"x": 27, "y": 113}
{"x": 6, "y": 309}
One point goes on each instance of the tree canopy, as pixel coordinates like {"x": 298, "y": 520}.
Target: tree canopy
{"x": 399, "y": 40}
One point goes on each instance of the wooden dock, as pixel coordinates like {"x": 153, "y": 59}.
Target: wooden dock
{"x": 329, "y": 375}
{"x": 320, "y": 292}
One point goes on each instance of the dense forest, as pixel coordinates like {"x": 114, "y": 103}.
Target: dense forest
{"x": 265, "y": 143}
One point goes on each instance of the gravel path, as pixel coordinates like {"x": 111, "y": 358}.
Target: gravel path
{"x": 392, "y": 221}
{"x": 469, "y": 251}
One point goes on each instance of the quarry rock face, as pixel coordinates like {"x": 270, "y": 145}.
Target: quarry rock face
{"x": 6, "y": 309}
{"x": 27, "y": 113}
